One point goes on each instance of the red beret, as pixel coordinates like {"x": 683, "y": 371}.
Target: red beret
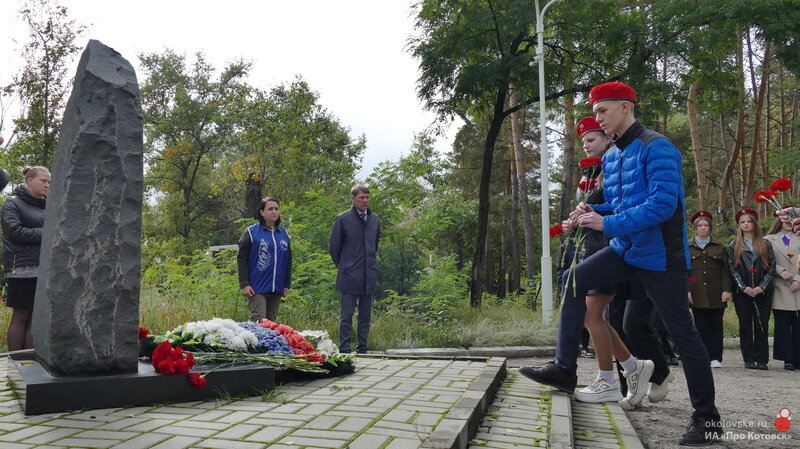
{"x": 612, "y": 91}
{"x": 746, "y": 212}
{"x": 588, "y": 124}
{"x": 702, "y": 213}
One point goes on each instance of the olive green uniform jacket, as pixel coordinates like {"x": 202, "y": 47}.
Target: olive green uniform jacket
{"x": 710, "y": 273}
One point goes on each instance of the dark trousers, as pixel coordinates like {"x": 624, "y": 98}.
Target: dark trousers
{"x": 349, "y": 304}
{"x": 664, "y": 340}
{"x": 709, "y": 323}
{"x": 668, "y": 291}
{"x": 753, "y": 316}
{"x": 644, "y": 342}
{"x": 787, "y": 336}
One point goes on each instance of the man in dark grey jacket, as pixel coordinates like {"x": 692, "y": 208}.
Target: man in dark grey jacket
{"x": 354, "y": 248}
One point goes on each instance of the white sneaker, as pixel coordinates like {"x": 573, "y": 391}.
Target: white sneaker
{"x": 657, "y": 392}
{"x": 637, "y": 383}
{"x": 600, "y": 390}
{"x": 716, "y": 364}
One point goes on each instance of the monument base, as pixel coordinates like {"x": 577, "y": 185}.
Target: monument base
{"x": 40, "y": 392}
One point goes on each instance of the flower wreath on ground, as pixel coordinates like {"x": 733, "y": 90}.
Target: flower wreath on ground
{"x": 220, "y": 342}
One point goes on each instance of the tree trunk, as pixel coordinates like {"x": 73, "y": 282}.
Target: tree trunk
{"x": 516, "y": 265}
{"x": 724, "y": 191}
{"x": 567, "y": 189}
{"x": 699, "y": 163}
{"x": 516, "y": 137}
{"x": 759, "y": 107}
{"x": 476, "y": 286}
{"x": 252, "y": 196}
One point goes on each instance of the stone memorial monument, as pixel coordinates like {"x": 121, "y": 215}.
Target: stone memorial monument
{"x": 86, "y": 312}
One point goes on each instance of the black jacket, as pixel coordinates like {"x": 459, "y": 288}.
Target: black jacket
{"x": 23, "y": 218}
{"x": 354, "y": 250}
{"x": 743, "y": 277}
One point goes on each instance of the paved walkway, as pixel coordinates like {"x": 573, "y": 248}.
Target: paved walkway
{"x": 385, "y": 404}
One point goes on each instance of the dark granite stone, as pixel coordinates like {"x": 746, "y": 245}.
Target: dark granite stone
{"x": 86, "y": 311}
{"x": 40, "y": 392}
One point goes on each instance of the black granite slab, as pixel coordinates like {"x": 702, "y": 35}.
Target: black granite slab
{"x": 40, "y": 392}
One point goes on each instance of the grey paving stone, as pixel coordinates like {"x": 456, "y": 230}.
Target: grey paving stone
{"x": 25, "y": 433}
{"x": 121, "y": 424}
{"x": 428, "y": 419}
{"x": 323, "y": 422}
{"x": 142, "y": 441}
{"x": 185, "y": 431}
{"x": 269, "y": 434}
{"x": 150, "y": 425}
{"x": 367, "y": 441}
{"x": 404, "y": 443}
{"x": 177, "y": 442}
{"x": 86, "y": 442}
{"x": 353, "y": 424}
{"x": 236, "y": 417}
{"x": 323, "y": 434}
{"x": 203, "y": 424}
{"x": 304, "y": 441}
{"x": 399, "y": 415}
{"x": 237, "y": 432}
{"x": 227, "y": 444}
{"x": 49, "y": 437}
{"x": 8, "y": 445}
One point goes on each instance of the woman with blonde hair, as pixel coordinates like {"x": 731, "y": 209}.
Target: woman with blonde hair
{"x": 22, "y": 218}
{"x": 786, "y": 296}
{"x": 751, "y": 263}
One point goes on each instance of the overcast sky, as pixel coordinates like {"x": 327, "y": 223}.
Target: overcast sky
{"x": 352, "y": 52}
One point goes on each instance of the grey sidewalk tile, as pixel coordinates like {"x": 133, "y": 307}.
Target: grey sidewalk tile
{"x": 142, "y": 441}
{"x": 150, "y": 425}
{"x": 322, "y": 434}
{"x": 236, "y": 417}
{"x": 186, "y": 431}
{"x": 121, "y": 424}
{"x": 49, "y": 437}
{"x": 353, "y": 424}
{"x": 404, "y": 443}
{"x": 177, "y": 442}
{"x": 269, "y": 434}
{"x": 378, "y": 430}
{"x": 303, "y": 441}
{"x": 203, "y": 424}
{"x": 214, "y": 443}
{"x": 367, "y": 441}
{"x": 86, "y": 442}
{"x": 27, "y": 432}
{"x": 237, "y": 432}
{"x": 106, "y": 434}
{"x": 323, "y": 422}
{"x": 210, "y": 415}
{"x": 7, "y": 445}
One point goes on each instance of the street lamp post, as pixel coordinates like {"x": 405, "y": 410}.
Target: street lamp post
{"x": 546, "y": 261}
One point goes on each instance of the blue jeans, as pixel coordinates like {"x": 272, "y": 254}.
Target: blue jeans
{"x": 668, "y": 291}
{"x": 349, "y": 303}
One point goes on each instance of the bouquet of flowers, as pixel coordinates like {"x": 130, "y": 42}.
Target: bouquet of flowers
{"x": 591, "y": 168}
{"x": 770, "y": 196}
{"x": 322, "y": 343}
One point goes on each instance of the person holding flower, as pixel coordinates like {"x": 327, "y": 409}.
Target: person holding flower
{"x": 265, "y": 262}
{"x": 751, "y": 263}
{"x": 709, "y": 284}
{"x": 607, "y": 342}
{"x": 646, "y": 221}
{"x": 786, "y": 294}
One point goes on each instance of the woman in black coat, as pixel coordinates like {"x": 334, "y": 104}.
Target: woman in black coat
{"x": 22, "y": 218}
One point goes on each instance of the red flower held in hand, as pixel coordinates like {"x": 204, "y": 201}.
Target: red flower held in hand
{"x": 556, "y": 230}
{"x": 143, "y": 333}
{"x": 692, "y": 279}
{"x": 753, "y": 270}
{"x": 197, "y": 380}
{"x": 762, "y": 196}
{"x": 790, "y": 255}
{"x": 781, "y": 185}
{"x": 587, "y": 185}
{"x": 590, "y": 162}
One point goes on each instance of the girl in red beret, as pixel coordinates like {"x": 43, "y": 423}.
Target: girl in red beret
{"x": 751, "y": 263}
{"x": 709, "y": 285}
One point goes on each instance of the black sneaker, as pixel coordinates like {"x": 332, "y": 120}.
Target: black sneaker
{"x": 788, "y": 366}
{"x": 762, "y": 365}
{"x": 701, "y": 432}
{"x": 750, "y": 365}
{"x": 552, "y": 375}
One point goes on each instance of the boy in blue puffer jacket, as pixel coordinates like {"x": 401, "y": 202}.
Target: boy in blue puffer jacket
{"x": 643, "y": 187}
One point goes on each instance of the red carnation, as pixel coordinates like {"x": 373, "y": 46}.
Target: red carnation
{"x": 197, "y": 380}
{"x": 590, "y": 162}
{"x": 753, "y": 270}
{"x": 587, "y": 185}
{"x": 143, "y": 333}
{"x": 692, "y": 279}
{"x": 162, "y": 352}
{"x": 790, "y": 255}
{"x": 165, "y": 367}
{"x": 781, "y": 185}
{"x": 763, "y": 196}
{"x": 556, "y": 230}
{"x": 181, "y": 367}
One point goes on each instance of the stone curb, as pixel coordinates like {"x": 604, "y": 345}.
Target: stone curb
{"x": 626, "y": 430}
{"x": 561, "y": 434}
{"x": 488, "y": 351}
{"x": 461, "y": 423}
